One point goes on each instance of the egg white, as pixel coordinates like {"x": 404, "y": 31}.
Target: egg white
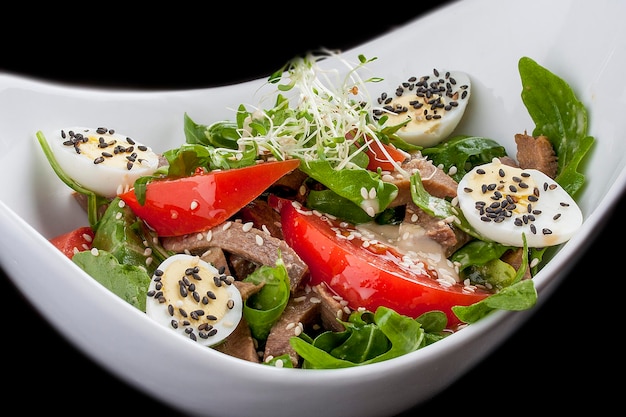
{"x": 108, "y": 170}
{"x": 429, "y": 124}
{"x": 550, "y": 220}
{"x": 165, "y": 291}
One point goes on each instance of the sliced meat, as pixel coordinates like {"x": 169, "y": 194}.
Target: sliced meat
{"x": 248, "y": 242}
{"x": 240, "y": 266}
{"x": 507, "y": 160}
{"x": 434, "y": 179}
{"x": 215, "y": 256}
{"x": 332, "y": 308}
{"x": 263, "y": 217}
{"x": 246, "y": 289}
{"x": 301, "y": 311}
{"x": 291, "y": 181}
{"x": 449, "y": 237}
{"x": 536, "y": 153}
{"x": 240, "y": 343}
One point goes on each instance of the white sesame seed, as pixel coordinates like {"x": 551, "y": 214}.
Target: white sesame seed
{"x": 209, "y": 236}
{"x": 227, "y": 225}
{"x": 247, "y": 226}
{"x": 259, "y": 240}
{"x": 95, "y": 251}
{"x": 194, "y": 205}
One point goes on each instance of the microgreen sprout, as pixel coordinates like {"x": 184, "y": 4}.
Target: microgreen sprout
{"x": 325, "y": 117}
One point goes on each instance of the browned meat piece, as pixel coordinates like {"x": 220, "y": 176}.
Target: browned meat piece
{"x": 248, "y": 288}
{"x": 263, "y": 217}
{"x": 536, "y": 153}
{"x": 291, "y": 181}
{"x": 434, "y": 179}
{"x": 514, "y": 258}
{"x": 240, "y": 266}
{"x": 446, "y": 234}
{"x": 331, "y": 309}
{"x": 302, "y": 310}
{"x": 250, "y": 243}
{"x": 216, "y": 257}
{"x": 507, "y": 160}
{"x": 240, "y": 343}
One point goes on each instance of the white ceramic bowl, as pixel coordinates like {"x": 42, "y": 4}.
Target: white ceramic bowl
{"x": 487, "y": 44}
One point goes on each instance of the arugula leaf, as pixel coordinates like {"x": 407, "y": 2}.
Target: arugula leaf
{"x": 558, "y": 115}
{"x": 368, "y": 338}
{"x": 464, "y": 152}
{"x": 439, "y": 207}
{"x": 129, "y": 282}
{"x": 125, "y": 236}
{"x": 348, "y": 183}
{"x": 517, "y": 297}
{"x": 265, "y": 307}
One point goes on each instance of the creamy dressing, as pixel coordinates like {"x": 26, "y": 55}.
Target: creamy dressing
{"x": 411, "y": 240}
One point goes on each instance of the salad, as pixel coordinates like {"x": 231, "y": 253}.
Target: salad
{"x": 330, "y": 228}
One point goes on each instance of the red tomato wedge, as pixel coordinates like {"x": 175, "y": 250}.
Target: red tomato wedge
{"x": 379, "y": 160}
{"x": 366, "y": 276}
{"x": 175, "y": 207}
{"x": 77, "y": 240}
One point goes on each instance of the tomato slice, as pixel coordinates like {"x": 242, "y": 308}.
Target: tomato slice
{"x": 77, "y": 240}
{"x": 366, "y": 276}
{"x": 379, "y": 160}
{"x": 175, "y": 207}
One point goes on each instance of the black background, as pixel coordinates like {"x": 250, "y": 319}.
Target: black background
{"x": 563, "y": 356}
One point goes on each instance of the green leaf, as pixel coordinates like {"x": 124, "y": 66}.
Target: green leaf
{"x": 517, "y": 297}
{"x": 265, "y": 307}
{"x": 463, "y": 153}
{"x": 558, "y": 115}
{"x": 129, "y": 282}
{"x": 123, "y": 235}
{"x": 348, "y": 184}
